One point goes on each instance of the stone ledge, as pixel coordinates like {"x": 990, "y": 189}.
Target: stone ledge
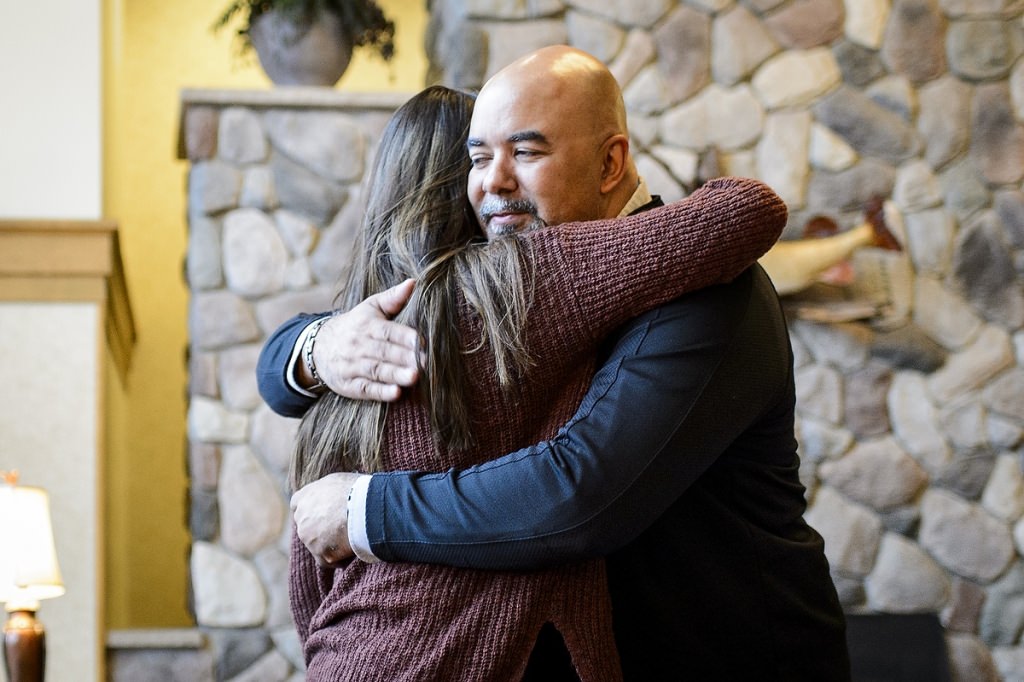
{"x": 156, "y": 638}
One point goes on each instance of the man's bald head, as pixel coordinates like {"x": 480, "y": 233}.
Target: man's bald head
{"x": 549, "y": 130}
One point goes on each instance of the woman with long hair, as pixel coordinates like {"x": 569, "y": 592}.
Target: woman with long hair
{"x": 510, "y": 331}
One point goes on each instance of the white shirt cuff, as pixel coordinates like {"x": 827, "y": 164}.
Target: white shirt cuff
{"x": 357, "y": 520}
{"x": 290, "y": 370}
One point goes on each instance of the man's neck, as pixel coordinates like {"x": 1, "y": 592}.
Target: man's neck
{"x": 641, "y": 197}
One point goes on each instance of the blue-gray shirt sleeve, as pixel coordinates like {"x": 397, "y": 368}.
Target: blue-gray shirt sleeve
{"x": 272, "y": 365}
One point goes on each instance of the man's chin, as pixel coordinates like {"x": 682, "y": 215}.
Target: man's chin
{"x": 504, "y": 228}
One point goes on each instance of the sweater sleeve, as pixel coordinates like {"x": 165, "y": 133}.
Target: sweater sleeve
{"x": 304, "y": 586}
{"x": 598, "y": 274}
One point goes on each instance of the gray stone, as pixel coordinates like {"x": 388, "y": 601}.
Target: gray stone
{"x": 850, "y": 591}
{"x": 637, "y": 52}
{"x": 681, "y": 163}
{"x": 333, "y": 253}
{"x": 271, "y": 667}
{"x": 1009, "y": 661}
{"x": 642, "y": 13}
{"x": 203, "y": 515}
{"x": 969, "y": 369}
{"x": 512, "y": 9}
{"x": 963, "y": 188}
{"x": 828, "y": 151}
{"x": 237, "y": 649}
{"x": 458, "y": 49}
{"x": 869, "y": 128}
{"x": 819, "y": 440}
{"x": 983, "y": 49}
{"x": 851, "y": 532}
{"x": 647, "y": 93}
{"x": 914, "y": 39}
{"x": 203, "y": 262}
{"x": 885, "y": 278}
{"x": 160, "y": 665}
{"x": 273, "y": 439}
{"x": 876, "y": 473}
{"x": 220, "y": 318}
{"x": 1003, "y": 433}
{"x": 997, "y": 138}
{"x": 908, "y": 347}
{"x": 299, "y": 234}
{"x": 865, "y": 412}
{"x": 943, "y": 315}
{"x": 964, "y": 607}
{"x": 739, "y": 44}
{"x": 944, "y": 120}
{"x": 251, "y": 509}
{"x": 966, "y": 473}
{"x": 782, "y": 155}
{"x": 970, "y": 659}
{"x": 273, "y": 311}
{"x": 905, "y": 579}
{"x": 227, "y": 590}
{"x": 964, "y": 424}
{"x": 657, "y": 176}
{"x": 819, "y": 393}
{"x": 720, "y": 118}
{"x": 1017, "y": 89}
{"x": 1002, "y": 616}
{"x": 796, "y": 77}
{"x": 599, "y": 37}
{"x": 964, "y": 538}
{"x": 896, "y": 94}
{"x": 254, "y": 254}
{"x": 842, "y": 345}
{"x": 762, "y": 6}
{"x": 272, "y": 565}
{"x": 644, "y": 130}
{"x": 210, "y": 422}
{"x": 930, "y": 240}
{"x": 712, "y": 6}
{"x": 859, "y": 65}
{"x": 203, "y": 465}
{"x": 1005, "y": 394}
{"x": 509, "y": 40}
{"x": 1018, "y": 536}
{"x": 325, "y": 142}
{"x": 985, "y": 272}
{"x": 200, "y": 133}
{"x": 241, "y": 139}
{"x": 303, "y": 191}
{"x": 915, "y": 421}
{"x": 802, "y": 24}
{"x": 286, "y": 640}
{"x": 258, "y": 189}
{"x": 1009, "y": 206}
{"x": 683, "y": 42}
{"x": 902, "y": 520}
{"x": 298, "y": 275}
{"x": 237, "y": 370}
{"x": 213, "y": 187}
{"x": 1004, "y": 495}
{"x": 916, "y": 188}
{"x": 969, "y": 8}
{"x": 202, "y": 374}
{"x": 851, "y": 189}
{"x": 865, "y": 22}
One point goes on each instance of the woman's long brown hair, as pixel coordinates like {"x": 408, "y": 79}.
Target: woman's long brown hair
{"x": 419, "y": 224}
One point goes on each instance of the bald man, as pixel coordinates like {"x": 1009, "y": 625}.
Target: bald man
{"x": 680, "y": 466}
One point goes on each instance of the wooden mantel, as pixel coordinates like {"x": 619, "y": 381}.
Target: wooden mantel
{"x": 70, "y": 260}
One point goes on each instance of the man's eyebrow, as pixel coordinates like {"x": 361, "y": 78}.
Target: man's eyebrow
{"x": 521, "y": 136}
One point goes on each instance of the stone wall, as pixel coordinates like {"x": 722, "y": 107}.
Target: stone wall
{"x": 910, "y": 381}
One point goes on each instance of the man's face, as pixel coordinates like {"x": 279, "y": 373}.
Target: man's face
{"x": 533, "y": 163}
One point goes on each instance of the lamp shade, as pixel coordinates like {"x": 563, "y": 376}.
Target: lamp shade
{"x": 28, "y": 561}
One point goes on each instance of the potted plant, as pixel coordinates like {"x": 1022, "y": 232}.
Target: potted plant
{"x": 309, "y": 42}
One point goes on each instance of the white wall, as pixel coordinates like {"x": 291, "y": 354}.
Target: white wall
{"x": 50, "y": 119}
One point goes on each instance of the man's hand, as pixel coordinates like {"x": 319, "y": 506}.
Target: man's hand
{"x": 362, "y": 354}
{"x": 320, "y": 512}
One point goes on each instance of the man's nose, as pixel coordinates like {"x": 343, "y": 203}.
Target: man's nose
{"x": 500, "y": 177}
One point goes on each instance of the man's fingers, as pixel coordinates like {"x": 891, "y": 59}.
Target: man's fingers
{"x": 362, "y": 389}
{"x": 394, "y": 334}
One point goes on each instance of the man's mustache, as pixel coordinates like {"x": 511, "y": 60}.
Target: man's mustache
{"x": 493, "y": 206}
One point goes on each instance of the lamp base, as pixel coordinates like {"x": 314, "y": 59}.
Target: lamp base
{"x": 24, "y": 647}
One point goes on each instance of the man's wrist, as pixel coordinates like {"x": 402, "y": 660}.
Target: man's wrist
{"x": 295, "y": 361}
{"x": 357, "y": 535}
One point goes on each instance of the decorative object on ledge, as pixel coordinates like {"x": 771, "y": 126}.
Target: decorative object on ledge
{"x": 28, "y": 573}
{"x": 309, "y": 42}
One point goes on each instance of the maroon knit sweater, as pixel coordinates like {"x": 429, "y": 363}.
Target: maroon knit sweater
{"x": 399, "y": 621}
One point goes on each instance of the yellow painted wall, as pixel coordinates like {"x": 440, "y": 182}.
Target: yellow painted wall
{"x": 152, "y": 50}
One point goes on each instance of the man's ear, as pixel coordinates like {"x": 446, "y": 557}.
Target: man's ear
{"x": 614, "y": 153}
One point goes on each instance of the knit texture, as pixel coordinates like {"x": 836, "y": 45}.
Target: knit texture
{"x": 400, "y": 621}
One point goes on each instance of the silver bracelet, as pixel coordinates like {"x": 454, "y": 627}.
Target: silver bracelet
{"x": 307, "y": 356}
